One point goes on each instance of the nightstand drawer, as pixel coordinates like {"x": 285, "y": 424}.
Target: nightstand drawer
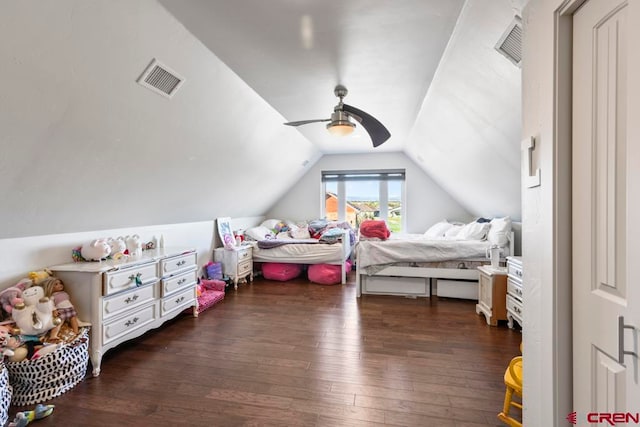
{"x": 172, "y": 265}
{"x": 244, "y": 254}
{"x": 245, "y": 267}
{"x": 126, "y": 300}
{"x": 174, "y": 283}
{"x": 129, "y": 278}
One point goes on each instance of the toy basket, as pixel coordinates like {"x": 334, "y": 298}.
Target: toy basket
{"x": 42, "y": 379}
{"x": 5, "y": 394}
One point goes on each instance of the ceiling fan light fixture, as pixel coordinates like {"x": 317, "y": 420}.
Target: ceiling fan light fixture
{"x": 340, "y": 124}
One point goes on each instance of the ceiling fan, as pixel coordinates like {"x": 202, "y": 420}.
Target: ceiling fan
{"x": 339, "y": 123}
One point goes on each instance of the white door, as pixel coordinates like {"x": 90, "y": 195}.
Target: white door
{"x": 606, "y": 211}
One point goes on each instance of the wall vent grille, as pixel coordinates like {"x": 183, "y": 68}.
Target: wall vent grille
{"x": 161, "y": 79}
{"x": 510, "y": 44}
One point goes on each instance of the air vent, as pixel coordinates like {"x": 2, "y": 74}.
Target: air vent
{"x": 510, "y": 44}
{"x": 161, "y": 79}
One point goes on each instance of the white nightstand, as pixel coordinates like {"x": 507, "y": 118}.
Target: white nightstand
{"x": 514, "y": 290}
{"x": 236, "y": 263}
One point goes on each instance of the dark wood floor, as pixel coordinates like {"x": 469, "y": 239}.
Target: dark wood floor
{"x": 295, "y": 353}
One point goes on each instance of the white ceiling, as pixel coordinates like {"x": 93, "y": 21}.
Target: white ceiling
{"x": 294, "y": 52}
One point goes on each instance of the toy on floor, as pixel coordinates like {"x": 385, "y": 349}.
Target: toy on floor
{"x": 25, "y": 417}
{"x": 34, "y": 316}
{"x": 54, "y": 290}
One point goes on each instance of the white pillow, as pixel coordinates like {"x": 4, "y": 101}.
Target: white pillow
{"x": 473, "y": 231}
{"x": 452, "y": 232}
{"x": 500, "y": 231}
{"x": 259, "y": 233}
{"x": 437, "y": 230}
{"x": 270, "y": 223}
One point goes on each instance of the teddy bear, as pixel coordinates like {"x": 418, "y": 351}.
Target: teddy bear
{"x": 96, "y": 250}
{"x": 34, "y": 316}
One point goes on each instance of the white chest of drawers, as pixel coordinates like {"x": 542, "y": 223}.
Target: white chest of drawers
{"x": 514, "y": 290}
{"x": 124, "y": 299}
{"x": 236, "y": 263}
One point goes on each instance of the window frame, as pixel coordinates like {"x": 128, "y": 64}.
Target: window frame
{"x": 381, "y": 175}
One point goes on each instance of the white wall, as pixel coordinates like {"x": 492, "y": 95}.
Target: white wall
{"x": 24, "y": 254}
{"x": 427, "y": 202}
{"x": 84, "y": 147}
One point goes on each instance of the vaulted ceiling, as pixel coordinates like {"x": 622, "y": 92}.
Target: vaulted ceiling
{"x": 84, "y": 147}
{"x": 427, "y": 69}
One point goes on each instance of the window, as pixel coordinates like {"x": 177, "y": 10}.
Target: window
{"x": 354, "y": 196}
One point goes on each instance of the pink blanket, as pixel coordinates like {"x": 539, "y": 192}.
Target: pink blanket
{"x": 372, "y": 228}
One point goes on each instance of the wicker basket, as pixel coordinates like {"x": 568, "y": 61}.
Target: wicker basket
{"x": 5, "y": 394}
{"x": 42, "y": 379}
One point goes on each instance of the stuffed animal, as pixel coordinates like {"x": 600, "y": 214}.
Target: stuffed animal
{"x": 8, "y": 342}
{"x": 118, "y": 247}
{"x": 12, "y": 295}
{"x": 35, "y": 315}
{"x": 38, "y": 276}
{"x": 134, "y": 245}
{"x": 96, "y": 250}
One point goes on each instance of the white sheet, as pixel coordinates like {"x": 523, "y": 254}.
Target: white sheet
{"x": 320, "y": 253}
{"x": 416, "y": 248}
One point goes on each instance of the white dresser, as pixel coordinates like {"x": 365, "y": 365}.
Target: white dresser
{"x": 514, "y": 290}
{"x": 236, "y": 263}
{"x": 125, "y": 298}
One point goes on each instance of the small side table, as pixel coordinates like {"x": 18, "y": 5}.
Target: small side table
{"x": 492, "y": 294}
{"x": 236, "y": 263}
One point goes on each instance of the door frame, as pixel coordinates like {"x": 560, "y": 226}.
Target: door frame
{"x": 562, "y": 209}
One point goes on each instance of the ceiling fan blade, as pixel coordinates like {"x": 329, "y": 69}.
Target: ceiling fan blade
{"x": 374, "y": 128}
{"x": 304, "y": 122}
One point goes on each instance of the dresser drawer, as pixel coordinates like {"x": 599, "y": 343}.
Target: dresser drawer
{"x": 514, "y": 306}
{"x": 175, "y": 283}
{"x": 514, "y": 288}
{"x": 179, "y": 300}
{"x": 175, "y": 264}
{"x": 245, "y": 267}
{"x": 123, "y": 301}
{"x": 121, "y": 327}
{"x": 514, "y": 269}
{"x": 136, "y": 276}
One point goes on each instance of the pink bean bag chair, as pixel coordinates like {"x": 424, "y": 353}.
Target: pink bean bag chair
{"x": 281, "y": 271}
{"x": 326, "y": 274}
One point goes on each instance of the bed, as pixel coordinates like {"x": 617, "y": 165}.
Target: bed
{"x": 280, "y": 247}
{"x": 413, "y": 265}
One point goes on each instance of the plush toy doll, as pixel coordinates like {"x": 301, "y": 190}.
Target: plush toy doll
{"x": 54, "y": 290}
{"x": 38, "y": 276}
{"x": 11, "y": 296}
{"x": 35, "y": 315}
{"x": 96, "y": 250}
{"x": 8, "y": 343}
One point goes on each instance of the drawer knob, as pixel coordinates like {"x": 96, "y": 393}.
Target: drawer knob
{"x": 179, "y": 300}
{"x": 181, "y": 281}
{"x": 131, "y": 299}
{"x": 517, "y": 310}
{"x": 131, "y": 322}
{"x": 179, "y": 263}
{"x": 137, "y": 278}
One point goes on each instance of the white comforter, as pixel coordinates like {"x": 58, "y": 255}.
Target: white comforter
{"x": 415, "y": 248}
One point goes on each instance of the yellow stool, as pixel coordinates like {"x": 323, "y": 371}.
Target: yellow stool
{"x": 513, "y": 381}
